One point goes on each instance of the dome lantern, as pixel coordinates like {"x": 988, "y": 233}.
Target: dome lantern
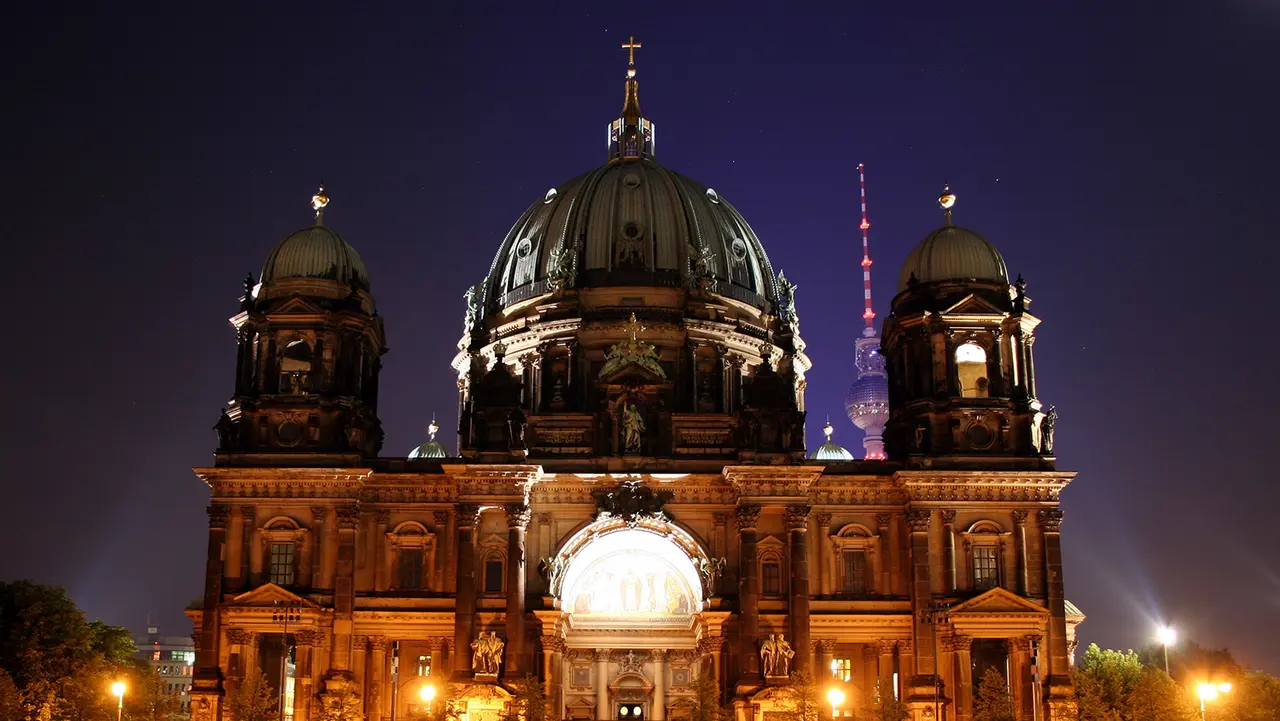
{"x": 631, "y": 135}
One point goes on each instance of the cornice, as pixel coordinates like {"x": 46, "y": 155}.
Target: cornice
{"x": 984, "y": 485}
{"x": 766, "y": 482}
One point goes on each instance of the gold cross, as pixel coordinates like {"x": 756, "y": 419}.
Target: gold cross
{"x": 635, "y": 326}
{"x": 631, "y": 46}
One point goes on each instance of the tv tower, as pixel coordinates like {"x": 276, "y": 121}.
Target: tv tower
{"x": 868, "y": 401}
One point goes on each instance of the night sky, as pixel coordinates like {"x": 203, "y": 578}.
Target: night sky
{"x": 1123, "y": 160}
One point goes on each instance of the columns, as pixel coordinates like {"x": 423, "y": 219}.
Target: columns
{"x": 377, "y": 677}
{"x": 949, "y": 580}
{"x": 798, "y": 606}
{"x": 518, "y": 516}
{"x": 1020, "y": 550}
{"x": 712, "y": 649}
{"x": 238, "y": 641}
{"x": 748, "y": 593}
{"x": 552, "y": 647}
{"x": 250, "y": 558}
{"x": 1031, "y": 365}
{"x": 886, "y": 554}
{"x": 997, "y": 374}
{"x": 302, "y": 542}
{"x": 359, "y": 653}
{"x": 464, "y": 613}
{"x": 305, "y": 641}
{"x": 318, "y": 514}
{"x": 344, "y": 594}
{"x": 381, "y": 562}
{"x": 1020, "y": 677}
{"x": 208, "y": 651}
{"x": 659, "y": 686}
{"x": 921, "y": 594}
{"x": 443, "y": 537}
{"x": 826, "y": 560}
{"x": 869, "y": 676}
{"x": 603, "y": 712}
{"x": 962, "y": 689}
{"x": 826, "y": 648}
{"x": 884, "y": 679}
{"x": 1055, "y": 651}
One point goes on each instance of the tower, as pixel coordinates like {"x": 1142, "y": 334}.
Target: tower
{"x": 958, "y": 341}
{"x": 309, "y": 344}
{"x": 868, "y": 401}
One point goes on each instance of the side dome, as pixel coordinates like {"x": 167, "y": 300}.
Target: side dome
{"x": 630, "y": 223}
{"x": 830, "y": 451}
{"x": 953, "y": 253}
{"x": 316, "y": 252}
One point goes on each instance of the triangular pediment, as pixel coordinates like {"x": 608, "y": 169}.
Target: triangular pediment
{"x": 998, "y": 600}
{"x": 299, "y": 306}
{"x": 973, "y": 305}
{"x": 268, "y": 594}
{"x": 634, "y": 374}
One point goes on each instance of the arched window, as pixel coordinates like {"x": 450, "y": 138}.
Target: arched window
{"x": 283, "y": 541}
{"x": 856, "y": 561}
{"x": 493, "y": 564}
{"x": 771, "y": 552}
{"x": 971, "y": 367}
{"x": 985, "y": 543}
{"x": 413, "y": 549}
{"x": 295, "y": 367}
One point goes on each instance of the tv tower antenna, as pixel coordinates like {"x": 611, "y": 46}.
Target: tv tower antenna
{"x": 868, "y": 314}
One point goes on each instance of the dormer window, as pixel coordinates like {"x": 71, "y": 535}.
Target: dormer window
{"x": 971, "y": 367}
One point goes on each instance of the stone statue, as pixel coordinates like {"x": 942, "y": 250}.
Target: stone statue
{"x": 1046, "y": 429}
{"x": 553, "y": 569}
{"x": 700, "y": 261}
{"x": 472, "y": 312}
{"x": 632, "y": 428}
{"x": 247, "y": 302}
{"x": 516, "y": 423}
{"x": 559, "y": 267}
{"x": 710, "y": 569}
{"x": 486, "y": 654}
{"x": 787, "y": 303}
{"x": 226, "y": 431}
{"x": 776, "y": 655}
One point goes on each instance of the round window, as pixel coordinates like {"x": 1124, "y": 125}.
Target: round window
{"x": 289, "y": 433}
{"x": 524, "y": 247}
{"x": 631, "y": 230}
{"x": 631, "y": 180}
{"x": 739, "y": 249}
{"x": 980, "y": 436}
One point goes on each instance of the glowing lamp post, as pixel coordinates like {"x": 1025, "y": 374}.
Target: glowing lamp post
{"x": 1167, "y": 636}
{"x": 117, "y": 690}
{"x": 836, "y": 697}
{"x": 1208, "y": 692}
{"x": 427, "y": 693}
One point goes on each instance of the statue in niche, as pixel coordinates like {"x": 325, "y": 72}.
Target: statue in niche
{"x": 632, "y": 428}
{"x": 776, "y": 655}
{"x": 1046, "y": 429}
{"x": 486, "y": 654}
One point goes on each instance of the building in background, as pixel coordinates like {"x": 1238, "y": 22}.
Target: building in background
{"x": 868, "y": 401}
{"x": 171, "y": 659}
{"x": 631, "y": 506}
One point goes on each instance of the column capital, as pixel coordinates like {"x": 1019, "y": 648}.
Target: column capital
{"x": 441, "y": 518}
{"x": 1022, "y": 643}
{"x": 961, "y": 643}
{"x": 308, "y": 637}
{"x": 658, "y": 655}
{"x": 827, "y": 645}
{"x": 904, "y": 646}
{"x": 237, "y": 636}
{"x": 218, "y": 515}
{"x": 552, "y": 643}
{"x": 377, "y": 644}
{"x": 747, "y": 516}
{"x": 711, "y": 644}
{"x": 466, "y": 514}
{"x": 348, "y": 517}
{"x": 885, "y": 646}
{"x": 248, "y": 513}
{"x": 798, "y": 517}
{"x": 869, "y": 651}
{"x": 518, "y": 515}
{"x": 948, "y": 517}
{"x": 544, "y": 518}
{"x": 883, "y": 520}
{"x": 1050, "y": 519}
{"x": 318, "y": 513}
{"x": 382, "y": 516}
{"x": 1019, "y": 518}
{"x": 601, "y": 654}
{"x": 436, "y": 644}
{"x": 721, "y": 519}
{"x": 824, "y": 522}
{"x": 918, "y": 520}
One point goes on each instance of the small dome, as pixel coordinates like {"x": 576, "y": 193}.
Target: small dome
{"x": 829, "y": 451}
{"x": 316, "y": 252}
{"x": 430, "y": 449}
{"x": 953, "y": 253}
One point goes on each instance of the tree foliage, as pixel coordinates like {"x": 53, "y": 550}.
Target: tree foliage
{"x": 886, "y": 707}
{"x": 706, "y": 698}
{"x": 253, "y": 699}
{"x": 801, "y": 700}
{"x": 1255, "y": 697}
{"x": 528, "y": 701}
{"x": 59, "y": 665}
{"x": 993, "y": 701}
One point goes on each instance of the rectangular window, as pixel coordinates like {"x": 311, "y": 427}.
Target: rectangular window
{"x": 411, "y": 568}
{"x": 856, "y": 573}
{"x": 985, "y": 574}
{"x": 842, "y": 669}
{"x": 424, "y": 665}
{"x": 771, "y": 578}
{"x": 493, "y": 576}
{"x": 282, "y": 564}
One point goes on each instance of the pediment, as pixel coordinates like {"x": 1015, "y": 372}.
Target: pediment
{"x": 634, "y": 374}
{"x": 269, "y": 594}
{"x": 972, "y": 305}
{"x": 771, "y": 543}
{"x": 298, "y": 305}
{"x": 998, "y": 600}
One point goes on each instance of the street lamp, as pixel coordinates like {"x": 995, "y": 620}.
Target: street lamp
{"x": 1208, "y": 692}
{"x": 117, "y": 690}
{"x": 836, "y": 697}
{"x": 427, "y": 693}
{"x": 1167, "y": 636}
{"x": 286, "y": 612}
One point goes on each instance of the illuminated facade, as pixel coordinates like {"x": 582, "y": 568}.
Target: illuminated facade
{"x": 631, "y": 505}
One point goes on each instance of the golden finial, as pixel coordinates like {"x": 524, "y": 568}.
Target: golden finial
{"x": 434, "y": 427}
{"x": 827, "y": 429}
{"x": 946, "y": 200}
{"x": 318, "y": 202}
{"x": 634, "y": 326}
{"x": 631, "y": 46}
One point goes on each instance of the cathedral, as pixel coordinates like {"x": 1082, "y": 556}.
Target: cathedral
{"x": 630, "y": 514}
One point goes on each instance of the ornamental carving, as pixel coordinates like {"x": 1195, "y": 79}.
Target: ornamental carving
{"x": 631, "y": 501}
{"x": 711, "y": 644}
{"x": 318, "y": 514}
{"x": 904, "y": 646}
{"x": 441, "y": 518}
{"x": 747, "y": 516}
{"x": 827, "y": 645}
{"x": 555, "y": 644}
{"x": 882, "y": 521}
{"x": 824, "y": 522}
{"x": 308, "y": 637}
{"x": 348, "y": 517}
{"x": 798, "y": 517}
{"x": 1019, "y": 518}
{"x": 1050, "y": 519}
{"x": 237, "y": 636}
{"x": 948, "y": 517}
{"x": 868, "y": 653}
{"x": 885, "y": 646}
{"x": 629, "y": 661}
{"x": 436, "y": 644}
{"x": 382, "y": 517}
{"x": 918, "y": 520}
{"x": 632, "y": 352}
{"x": 248, "y": 513}
{"x": 466, "y": 514}
{"x": 377, "y": 643}
{"x": 218, "y": 515}
{"x": 518, "y": 515}
{"x": 962, "y": 643}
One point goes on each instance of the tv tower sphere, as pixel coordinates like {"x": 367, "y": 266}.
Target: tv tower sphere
{"x": 868, "y": 401}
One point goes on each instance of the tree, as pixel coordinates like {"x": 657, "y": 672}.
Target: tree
{"x": 800, "y": 701}
{"x": 993, "y": 702}
{"x": 886, "y": 707}
{"x": 528, "y": 701}
{"x": 1156, "y": 697}
{"x": 1255, "y": 697}
{"x": 253, "y": 699}
{"x": 1103, "y": 681}
{"x": 706, "y": 698}
{"x": 340, "y": 703}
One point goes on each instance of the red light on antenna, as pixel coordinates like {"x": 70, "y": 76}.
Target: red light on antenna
{"x": 866, "y": 262}
{"x": 864, "y": 225}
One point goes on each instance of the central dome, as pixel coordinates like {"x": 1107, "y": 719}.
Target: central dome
{"x": 630, "y": 223}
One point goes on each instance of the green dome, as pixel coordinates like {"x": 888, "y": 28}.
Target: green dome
{"x": 430, "y": 449}
{"x": 316, "y": 252}
{"x": 830, "y": 451}
{"x": 953, "y": 253}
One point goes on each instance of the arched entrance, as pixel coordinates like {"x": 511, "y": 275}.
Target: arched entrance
{"x": 631, "y": 598}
